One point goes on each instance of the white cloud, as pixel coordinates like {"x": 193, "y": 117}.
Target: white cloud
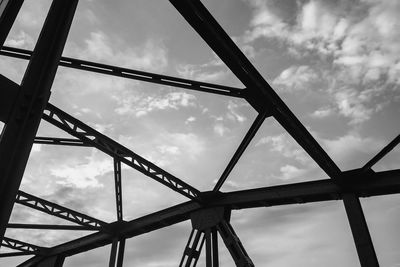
{"x": 322, "y": 112}
{"x": 318, "y": 26}
{"x": 171, "y": 150}
{"x": 220, "y": 129}
{"x": 354, "y": 34}
{"x": 290, "y": 172}
{"x": 20, "y": 40}
{"x": 80, "y": 83}
{"x": 342, "y": 149}
{"x": 32, "y": 14}
{"x": 295, "y": 78}
{"x": 233, "y": 113}
{"x": 211, "y": 76}
{"x": 356, "y": 105}
{"x": 141, "y": 105}
{"x": 150, "y": 56}
{"x": 190, "y": 119}
{"x": 82, "y": 174}
{"x": 285, "y": 145}
{"x": 360, "y": 40}
{"x": 189, "y": 143}
{"x": 201, "y": 72}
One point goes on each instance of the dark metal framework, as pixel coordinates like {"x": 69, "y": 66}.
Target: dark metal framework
{"x": 22, "y": 107}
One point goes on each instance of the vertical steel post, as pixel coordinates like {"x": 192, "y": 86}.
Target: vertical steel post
{"x": 8, "y": 13}
{"x": 214, "y": 236}
{"x": 359, "y": 228}
{"x": 208, "y": 248}
{"x": 19, "y": 132}
{"x": 118, "y": 188}
{"x": 193, "y": 248}
{"x": 113, "y": 253}
{"x": 211, "y": 247}
{"x": 121, "y": 251}
{"x": 117, "y": 253}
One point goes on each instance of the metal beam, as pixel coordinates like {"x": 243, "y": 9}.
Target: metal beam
{"x": 89, "y": 135}
{"x": 242, "y": 147}
{"x": 157, "y": 220}
{"x": 19, "y": 245}
{"x": 211, "y": 248}
{"x": 133, "y": 74}
{"x": 15, "y": 254}
{"x": 192, "y": 251}
{"x": 260, "y": 93}
{"x": 382, "y": 153}
{"x": 380, "y": 183}
{"x": 233, "y": 244}
{"x": 48, "y": 207}
{"x": 55, "y": 261}
{"x": 8, "y": 94}
{"x": 18, "y": 134}
{"x": 113, "y": 253}
{"x": 121, "y": 251}
{"x": 60, "y": 141}
{"x": 117, "y": 253}
{"x": 359, "y": 228}
{"x": 118, "y": 188}
{"x": 52, "y": 227}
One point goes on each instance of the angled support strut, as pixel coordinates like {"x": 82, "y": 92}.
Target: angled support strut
{"x": 19, "y": 245}
{"x": 58, "y": 211}
{"x": 87, "y": 134}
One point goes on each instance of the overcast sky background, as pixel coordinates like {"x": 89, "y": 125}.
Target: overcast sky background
{"x": 335, "y": 63}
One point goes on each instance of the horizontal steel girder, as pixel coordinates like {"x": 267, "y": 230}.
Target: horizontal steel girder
{"x": 58, "y": 211}
{"x": 381, "y": 183}
{"x": 132, "y": 74}
{"x": 59, "y": 141}
{"x": 89, "y": 135}
{"x": 260, "y": 93}
{"x": 52, "y": 227}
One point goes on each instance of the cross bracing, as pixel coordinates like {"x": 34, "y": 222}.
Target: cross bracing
{"x": 209, "y": 211}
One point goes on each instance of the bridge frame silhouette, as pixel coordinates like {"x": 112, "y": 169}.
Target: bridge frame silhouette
{"x": 23, "y": 106}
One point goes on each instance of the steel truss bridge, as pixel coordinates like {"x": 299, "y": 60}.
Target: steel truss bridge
{"x": 23, "y": 106}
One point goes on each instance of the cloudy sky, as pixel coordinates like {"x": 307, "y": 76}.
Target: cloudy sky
{"x": 335, "y": 63}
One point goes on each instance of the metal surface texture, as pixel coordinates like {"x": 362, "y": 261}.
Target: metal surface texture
{"x": 208, "y": 211}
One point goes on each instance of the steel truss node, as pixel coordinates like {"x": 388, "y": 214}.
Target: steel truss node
{"x": 22, "y": 107}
